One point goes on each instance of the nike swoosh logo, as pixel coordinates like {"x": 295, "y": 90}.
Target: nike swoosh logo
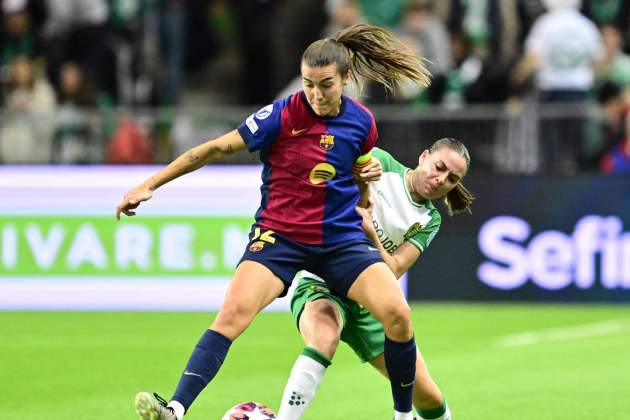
{"x": 296, "y": 132}
{"x": 407, "y": 385}
{"x": 187, "y": 373}
{"x": 371, "y": 248}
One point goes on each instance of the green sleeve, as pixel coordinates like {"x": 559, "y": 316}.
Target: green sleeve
{"x": 421, "y": 236}
{"x": 388, "y": 163}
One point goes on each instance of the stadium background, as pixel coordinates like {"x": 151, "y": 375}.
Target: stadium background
{"x": 96, "y": 93}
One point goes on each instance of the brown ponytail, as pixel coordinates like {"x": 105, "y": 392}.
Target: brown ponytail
{"x": 458, "y": 199}
{"x": 370, "y": 52}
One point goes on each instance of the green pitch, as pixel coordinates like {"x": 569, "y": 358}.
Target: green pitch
{"x": 573, "y": 362}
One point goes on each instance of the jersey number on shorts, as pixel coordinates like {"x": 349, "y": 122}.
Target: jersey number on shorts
{"x": 267, "y": 236}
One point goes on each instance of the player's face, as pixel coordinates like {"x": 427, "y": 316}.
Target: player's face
{"x": 323, "y": 87}
{"x": 438, "y": 172}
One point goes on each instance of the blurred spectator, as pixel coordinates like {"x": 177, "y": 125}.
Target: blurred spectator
{"x": 562, "y": 51}
{"x": 466, "y": 71}
{"x": 341, "y": 14}
{"x": 19, "y": 35}
{"x": 383, "y": 13}
{"x": 615, "y": 67}
{"x": 129, "y": 144}
{"x": 78, "y": 31}
{"x": 297, "y": 24}
{"x": 27, "y": 123}
{"x": 419, "y": 22}
{"x": 212, "y": 54}
{"x": 528, "y": 11}
{"x": 204, "y": 24}
{"x": 617, "y": 159}
{"x": 609, "y": 12}
{"x": 490, "y": 28}
{"x": 172, "y": 33}
{"x": 609, "y": 129}
{"x": 471, "y": 18}
{"x": 255, "y": 19}
{"x": 19, "y": 32}
{"x": 133, "y": 48}
{"x": 79, "y": 129}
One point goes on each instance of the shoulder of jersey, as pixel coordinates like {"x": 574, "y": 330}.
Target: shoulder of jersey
{"x": 436, "y": 217}
{"x": 359, "y": 107}
{"x": 388, "y": 163}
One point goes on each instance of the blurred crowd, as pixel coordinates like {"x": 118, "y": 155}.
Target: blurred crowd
{"x": 68, "y": 68}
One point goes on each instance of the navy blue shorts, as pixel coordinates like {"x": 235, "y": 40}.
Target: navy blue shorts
{"x": 338, "y": 264}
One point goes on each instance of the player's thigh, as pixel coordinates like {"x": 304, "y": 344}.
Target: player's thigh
{"x": 319, "y": 314}
{"x": 377, "y": 289}
{"x": 252, "y": 288}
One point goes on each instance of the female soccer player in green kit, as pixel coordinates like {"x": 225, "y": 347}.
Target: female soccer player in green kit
{"x": 402, "y": 221}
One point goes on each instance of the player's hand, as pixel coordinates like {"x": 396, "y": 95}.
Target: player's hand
{"x": 372, "y": 171}
{"x": 132, "y": 200}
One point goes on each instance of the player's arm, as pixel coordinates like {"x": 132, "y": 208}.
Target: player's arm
{"x": 189, "y": 161}
{"x": 405, "y": 255}
{"x": 402, "y": 259}
{"x": 364, "y": 195}
{"x": 370, "y": 170}
{"x": 366, "y": 168}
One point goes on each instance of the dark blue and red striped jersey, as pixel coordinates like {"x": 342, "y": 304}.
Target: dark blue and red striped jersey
{"x": 308, "y": 193}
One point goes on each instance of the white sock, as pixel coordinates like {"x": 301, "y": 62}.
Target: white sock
{"x": 445, "y": 416}
{"x": 403, "y": 416}
{"x": 178, "y": 408}
{"x": 306, "y": 376}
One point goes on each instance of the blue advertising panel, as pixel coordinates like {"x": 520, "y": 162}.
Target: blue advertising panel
{"x": 532, "y": 238}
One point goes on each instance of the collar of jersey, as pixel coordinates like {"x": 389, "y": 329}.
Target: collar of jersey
{"x": 328, "y": 117}
{"x": 423, "y": 204}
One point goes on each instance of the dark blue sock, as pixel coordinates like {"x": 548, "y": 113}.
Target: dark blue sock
{"x": 204, "y": 363}
{"x": 400, "y": 361}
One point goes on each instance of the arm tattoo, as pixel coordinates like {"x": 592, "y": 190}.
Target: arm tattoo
{"x": 216, "y": 150}
{"x": 192, "y": 157}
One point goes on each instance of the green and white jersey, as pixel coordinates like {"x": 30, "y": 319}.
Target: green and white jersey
{"x": 397, "y": 217}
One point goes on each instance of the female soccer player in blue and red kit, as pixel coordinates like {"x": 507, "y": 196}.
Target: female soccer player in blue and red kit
{"x": 311, "y": 144}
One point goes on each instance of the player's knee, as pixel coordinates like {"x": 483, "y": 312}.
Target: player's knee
{"x": 397, "y": 321}
{"x": 233, "y": 319}
{"x": 320, "y": 325}
{"x": 325, "y": 342}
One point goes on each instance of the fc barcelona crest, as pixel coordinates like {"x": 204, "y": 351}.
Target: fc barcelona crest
{"x": 257, "y": 246}
{"x": 327, "y": 142}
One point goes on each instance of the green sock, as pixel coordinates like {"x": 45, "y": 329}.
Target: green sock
{"x": 317, "y": 356}
{"x": 432, "y": 413}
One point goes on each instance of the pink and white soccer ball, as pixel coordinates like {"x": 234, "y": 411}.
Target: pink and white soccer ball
{"x": 249, "y": 411}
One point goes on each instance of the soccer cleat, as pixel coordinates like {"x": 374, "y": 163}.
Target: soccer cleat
{"x": 153, "y": 407}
